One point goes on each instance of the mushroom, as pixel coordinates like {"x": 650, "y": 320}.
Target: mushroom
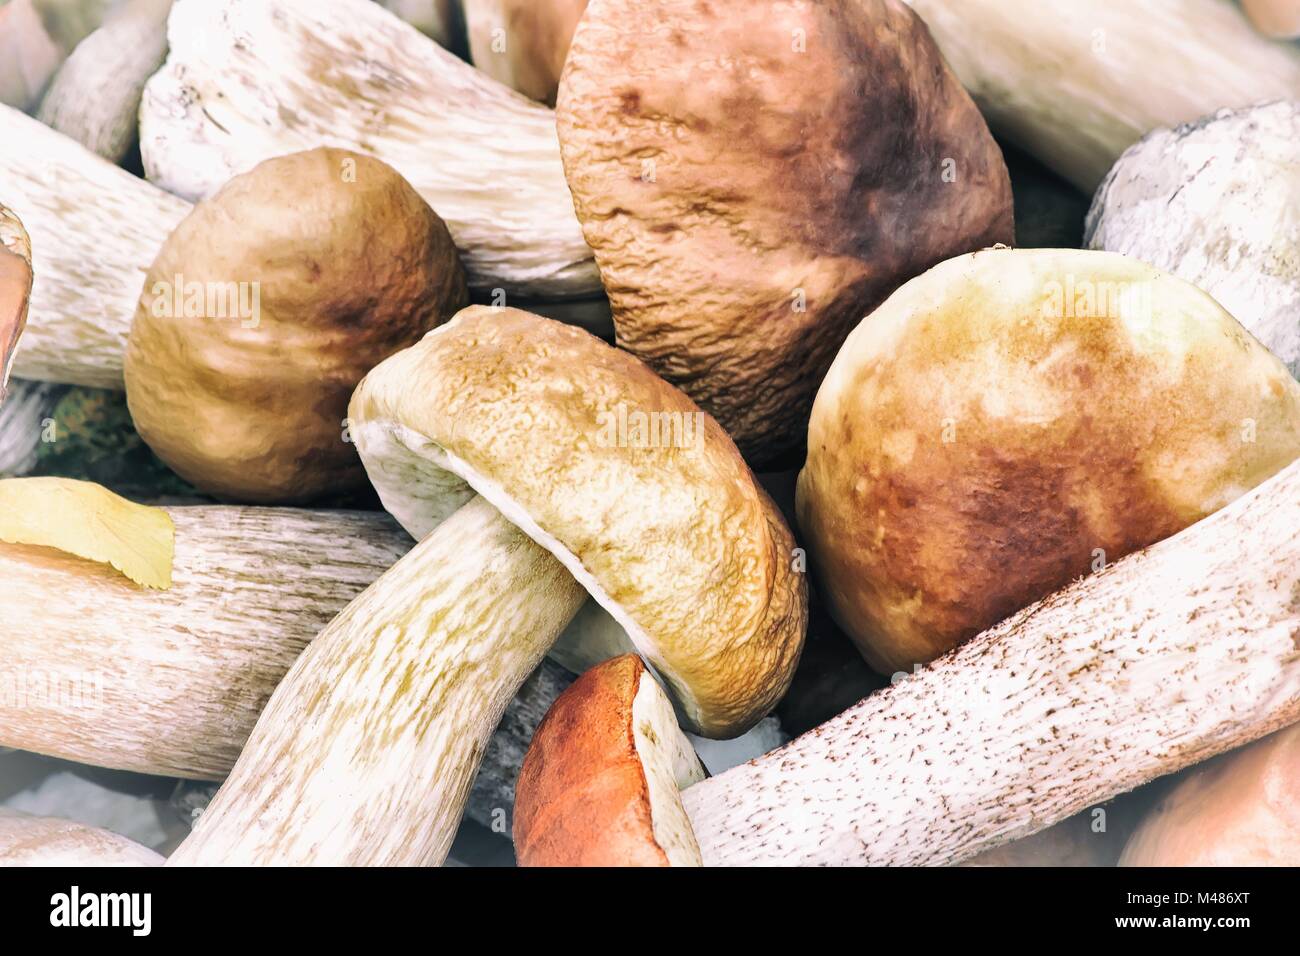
{"x": 1163, "y": 659}
{"x": 95, "y": 96}
{"x": 47, "y": 841}
{"x": 1275, "y": 18}
{"x": 1076, "y": 84}
{"x": 599, "y": 786}
{"x": 27, "y": 411}
{"x": 246, "y": 80}
{"x": 495, "y": 441}
{"x": 1240, "y": 809}
{"x": 15, "y": 290}
{"x": 35, "y": 37}
{"x": 95, "y": 230}
{"x": 91, "y": 677}
{"x": 247, "y": 345}
{"x": 523, "y": 43}
{"x": 754, "y": 177}
{"x": 1014, "y": 419}
{"x": 1214, "y": 203}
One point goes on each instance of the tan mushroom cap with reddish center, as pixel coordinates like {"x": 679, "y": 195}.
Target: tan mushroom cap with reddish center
{"x": 1013, "y": 418}
{"x": 754, "y": 177}
{"x": 15, "y": 289}
{"x": 1240, "y": 809}
{"x": 640, "y": 495}
{"x": 599, "y": 785}
{"x": 264, "y": 309}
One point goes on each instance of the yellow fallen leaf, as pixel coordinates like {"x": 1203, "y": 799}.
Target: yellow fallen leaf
{"x": 88, "y": 520}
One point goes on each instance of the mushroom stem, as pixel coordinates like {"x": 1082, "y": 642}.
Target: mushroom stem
{"x": 1163, "y": 659}
{"x": 26, "y": 409}
{"x": 95, "y": 229}
{"x": 1188, "y": 57}
{"x": 399, "y": 696}
{"x": 48, "y": 841}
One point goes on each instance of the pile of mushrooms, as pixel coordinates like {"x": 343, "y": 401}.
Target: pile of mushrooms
{"x": 468, "y": 327}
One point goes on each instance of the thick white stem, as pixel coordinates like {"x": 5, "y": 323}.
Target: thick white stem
{"x": 27, "y": 408}
{"x": 1172, "y": 655}
{"x": 95, "y": 229}
{"x": 367, "y": 750}
{"x": 1076, "y": 84}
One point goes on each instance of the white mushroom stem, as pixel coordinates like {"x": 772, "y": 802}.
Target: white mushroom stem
{"x": 1163, "y": 659}
{"x": 246, "y": 80}
{"x": 93, "y": 668}
{"x": 95, "y": 96}
{"x": 34, "y": 39}
{"x": 47, "y": 841}
{"x": 393, "y": 705}
{"x": 27, "y": 408}
{"x": 1076, "y": 84}
{"x": 95, "y": 229}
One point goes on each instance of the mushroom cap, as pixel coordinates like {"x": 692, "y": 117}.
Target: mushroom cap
{"x": 1276, "y": 18}
{"x": 600, "y": 782}
{"x": 1009, "y": 418}
{"x": 529, "y": 54}
{"x": 640, "y": 495}
{"x": 1217, "y": 203}
{"x": 15, "y": 289}
{"x": 48, "y": 841}
{"x": 754, "y": 177}
{"x": 1240, "y": 809}
{"x": 311, "y": 268}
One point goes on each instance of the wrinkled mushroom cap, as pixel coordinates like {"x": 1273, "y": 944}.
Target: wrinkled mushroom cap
{"x": 1012, "y": 417}
{"x": 672, "y": 535}
{"x": 523, "y": 43}
{"x": 600, "y": 783}
{"x": 1240, "y": 809}
{"x": 754, "y": 177}
{"x": 15, "y": 289}
{"x": 312, "y": 268}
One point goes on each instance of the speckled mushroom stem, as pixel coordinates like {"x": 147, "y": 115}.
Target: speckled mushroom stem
{"x": 1163, "y": 659}
{"x": 400, "y": 694}
{"x": 97, "y": 670}
{"x": 1188, "y": 57}
{"x": 95, "y": 229}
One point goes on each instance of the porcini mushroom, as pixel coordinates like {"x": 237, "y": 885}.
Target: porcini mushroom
{"x": 1014, "y": 419}
{"x": 1058, "y": 77}
{"x": 599, "y": 786}
{"x": 246, "y": 80}
{"x": 1163, "y": 659}
{"x": 491, "y": 441}
{"x": 246, "y": 345}
{"x": 47, "y": 841}
{"x": 1214, "y": 203}
{"x": 523, "y": 43}
{"x": 1240, "y": 809}
{"x": 1276, "y": 18}
{"x": 754, "y": 177}
{"x": 95, "y": 96}
{"x": 95, "y": 229}
{"x": 15, "y": 290}
{"x": 35, "y": 37}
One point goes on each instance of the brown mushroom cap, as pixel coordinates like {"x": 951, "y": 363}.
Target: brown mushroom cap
{"x": 1011, "y": 418}
{"x": 755, "y": 176}
{"x": 599, "y": 785}
{"x": 619, "y": 475}
{"x": 1276, "y": 18}
{"x": 1240, "y": 809}
{"x": 15, "y": 289}
{"x": 310, "y": 269}
{"x": 523, "y": 43}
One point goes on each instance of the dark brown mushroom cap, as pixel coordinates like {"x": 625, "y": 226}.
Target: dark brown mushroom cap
{"x": 15, "y": 289}
{"x": 755, "y": 176}
{"x": 344, "y": 264}
{"x": 584, "y": 795}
